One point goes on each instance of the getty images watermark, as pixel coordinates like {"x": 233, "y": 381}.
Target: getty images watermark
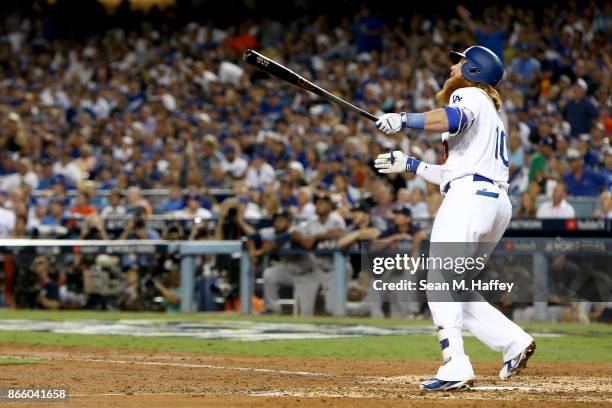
{"x": 514, "y": 272}
{"x": 397, "y": 273}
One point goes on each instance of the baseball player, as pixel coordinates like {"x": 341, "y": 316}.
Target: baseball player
{"x": 476, "y": 207}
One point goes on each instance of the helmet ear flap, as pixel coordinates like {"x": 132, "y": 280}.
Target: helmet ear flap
{"x": 470, "y": 71}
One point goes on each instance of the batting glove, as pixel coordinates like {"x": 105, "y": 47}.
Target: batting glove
{"x": 391, "y": 123}
{"x": 396, "y": 162}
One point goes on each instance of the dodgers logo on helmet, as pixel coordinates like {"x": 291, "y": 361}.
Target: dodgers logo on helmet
{"x": 482, "y": 65}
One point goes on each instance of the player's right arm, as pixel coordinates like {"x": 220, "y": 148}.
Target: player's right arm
{"x": 451, "y": 119}
{"x": 399, "y": 162}
{"x": 464, "y": 106}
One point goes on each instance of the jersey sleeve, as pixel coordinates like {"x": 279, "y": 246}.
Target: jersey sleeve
{"x": 468, "y": 103}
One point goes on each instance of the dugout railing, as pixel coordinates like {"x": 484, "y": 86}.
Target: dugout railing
{"x": 539, "y": 252}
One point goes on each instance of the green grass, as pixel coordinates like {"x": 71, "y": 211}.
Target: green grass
{"x": 20, "y": 361}
{"x": 417, "y": 347}
{"x": 63, "y": 315}
{"x": 580, "y": 342}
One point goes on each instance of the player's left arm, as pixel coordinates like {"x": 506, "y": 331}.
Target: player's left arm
{"x": 452, "y": 119}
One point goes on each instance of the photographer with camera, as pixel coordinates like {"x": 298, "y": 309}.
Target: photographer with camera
{"x": 170, "y": 289}
{"x": 137, "y": 227}
{"x": 48, "y": 291}
{"x": 231, "y": 226}
{"x": 93, "y": 228}
{"x": 72, "y": 292}
{"x": 130, "y": 298}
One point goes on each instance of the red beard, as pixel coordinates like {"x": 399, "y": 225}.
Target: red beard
{"x": 450, "y": 86}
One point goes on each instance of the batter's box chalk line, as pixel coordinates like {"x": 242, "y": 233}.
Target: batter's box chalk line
{"x": 367, "y": 379}
{"x": 509, "y": 388}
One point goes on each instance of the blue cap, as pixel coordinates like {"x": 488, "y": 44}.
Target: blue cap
{"x": 229, "y": 149}
{"x": 482, "y": 65}
{"x": 547, "y": 141}
{"x": 193, "y": 197}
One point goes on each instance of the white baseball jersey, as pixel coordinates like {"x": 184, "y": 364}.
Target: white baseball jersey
{"x": 481, "y": 147}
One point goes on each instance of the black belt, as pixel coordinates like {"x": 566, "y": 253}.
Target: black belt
{"x": 476, "y": 177}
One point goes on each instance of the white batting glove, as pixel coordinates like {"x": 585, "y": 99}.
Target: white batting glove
{"x": 396, "y": 162}
{"x": 390, "y": 123}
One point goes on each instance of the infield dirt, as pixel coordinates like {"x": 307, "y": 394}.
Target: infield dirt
{"x": 124, "y": 378}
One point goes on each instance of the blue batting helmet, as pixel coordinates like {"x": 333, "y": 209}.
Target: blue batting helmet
{"x": 482, "y": 65}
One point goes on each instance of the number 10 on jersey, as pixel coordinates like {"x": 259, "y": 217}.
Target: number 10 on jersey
{"x": 500, "y": 146}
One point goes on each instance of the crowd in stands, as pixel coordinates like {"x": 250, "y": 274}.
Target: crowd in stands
{"x": 130, "y": 110}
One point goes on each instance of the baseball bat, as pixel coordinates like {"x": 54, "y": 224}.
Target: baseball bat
{"x": 275, "y": 69}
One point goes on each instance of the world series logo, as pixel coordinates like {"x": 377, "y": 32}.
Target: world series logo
{"x": 262, "y": 61}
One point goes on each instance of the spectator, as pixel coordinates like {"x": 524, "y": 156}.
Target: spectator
{"x": 175, "y": 200}
{"x": 259, "y": 173}
{"x": 382, "y": 196}
{"x": 417, "y": 204}
{"x": 24, "y": 175}
{"x": 580, "y": 112}
{"x": 107, "y": 181}
{"x": 46, "y": 179}
{"x": 7, "y": 222}
{"x": 591, "y": 156}
{"x": 210, "y": 156}
{"x": 56, "y": 213}
{"x": 21, "y": 228}
{"x": 539, "y": 170}
{"x": 516, "y": 155}
{"x": 369, "y": 30}
{"x": 218, "y": 178}
{"x": 15, "y": 138}
{"x": 492, "y": 35}
{"x": 115, "y": 207}
{"x": 234, "y": 165}
{"x": 82, "y": 205}
{"x": 296, "y": 174}
{"x": 604, "y": 209}
{"x": 135, "y": 200}
{"x": 305, "y": 209}
{"x": 607, "y": 172}
{"x": 288, "y": 201}
{"x": 558, "y": 207}
{"x": 193, "y": 209}
{"x": 67, "y": 168}
{"x": 527, "y": 207}
{"x": 580, "y": 181}
{"x": 525, "y": 71}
